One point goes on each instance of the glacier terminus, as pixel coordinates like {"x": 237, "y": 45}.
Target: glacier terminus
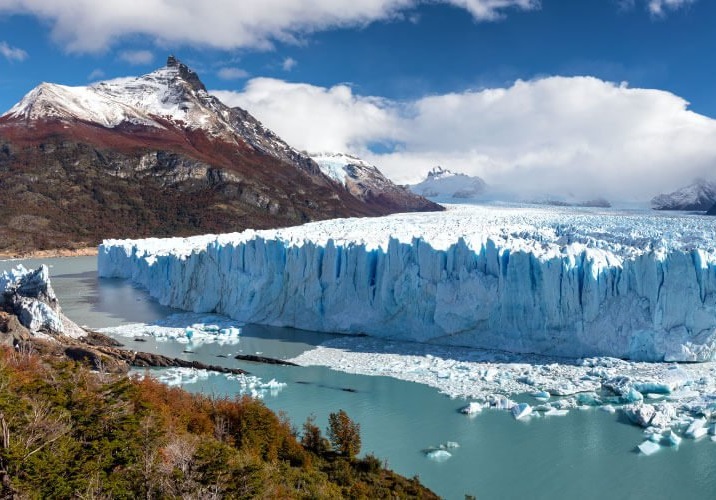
{"x": 544, "y": 280}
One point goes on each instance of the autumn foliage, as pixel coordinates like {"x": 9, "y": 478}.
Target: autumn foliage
{"x": 66, "y": 432}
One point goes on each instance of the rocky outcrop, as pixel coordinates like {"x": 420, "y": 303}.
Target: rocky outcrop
{"x": 32, "y": 320}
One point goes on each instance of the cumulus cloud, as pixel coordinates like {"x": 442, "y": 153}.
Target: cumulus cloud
{"x": 289, "y": 63}
{"x": 12, "y": 53}
{"x": 91, "y": 26}
{"x": 556, "y": 135}
{"x": 231, "y": 73}
{"x": 136, "y": 57}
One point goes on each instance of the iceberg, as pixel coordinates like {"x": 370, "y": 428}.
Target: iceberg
{"x": 547, "y": 281}
{"x": 649, "y": 447}
{"x": 438, "y": 455}
{"x": 521, "y": 410}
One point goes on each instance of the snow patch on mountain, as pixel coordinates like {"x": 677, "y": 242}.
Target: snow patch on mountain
{"x": 698, "y": 196}
{"x": 343, "y": 168}
{"x": 552, "y": 281}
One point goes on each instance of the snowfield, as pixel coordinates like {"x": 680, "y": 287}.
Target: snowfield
{"x": 546, "y": 280}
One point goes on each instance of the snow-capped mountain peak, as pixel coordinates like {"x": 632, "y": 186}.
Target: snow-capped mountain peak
{"x": 439, "y": 172}
{"x": 698, "y": 196}
{"x": 171, "y": 97}
{"x": 443, "y": 183}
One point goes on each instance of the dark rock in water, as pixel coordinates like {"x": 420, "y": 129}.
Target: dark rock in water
{"x": 139, "y": 339}
{"x": 262, "y": 359}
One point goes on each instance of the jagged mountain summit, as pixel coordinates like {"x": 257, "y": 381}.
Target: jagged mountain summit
{"x": 443, "y": 183}
{"x": 367, "y": 183}
{"x": 155, "y": 155}
{"x": 698, "y": 196}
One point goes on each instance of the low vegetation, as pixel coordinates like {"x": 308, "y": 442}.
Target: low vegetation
{"x": 68, "y": 432}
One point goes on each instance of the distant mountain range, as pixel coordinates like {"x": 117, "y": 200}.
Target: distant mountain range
{"x": 700, "y": 196}
{"x": 158, "y": 155}
{"x": 442, "y": 183}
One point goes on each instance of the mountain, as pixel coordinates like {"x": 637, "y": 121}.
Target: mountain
{"x": 367, "y": 183}
{"x": 154, "y": 155}
{"x": 699, "y": 196}
{"x": 712, "y": 210}
{"x": 442, "y": 183}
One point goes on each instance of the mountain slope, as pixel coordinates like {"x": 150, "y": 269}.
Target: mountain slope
{"x": 367, "y": 183}
{"x": 152, "y": 156}
{"x": 442, "y": 183}
{"x": 699, "y": 196}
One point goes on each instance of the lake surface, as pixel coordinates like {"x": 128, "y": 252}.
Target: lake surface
{"x": 586, "y": 454}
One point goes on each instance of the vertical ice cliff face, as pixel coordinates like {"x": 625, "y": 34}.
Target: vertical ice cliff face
{"x": 525, "y": 281}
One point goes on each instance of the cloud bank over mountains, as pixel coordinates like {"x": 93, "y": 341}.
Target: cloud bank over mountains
{"x": 577, "y": 135}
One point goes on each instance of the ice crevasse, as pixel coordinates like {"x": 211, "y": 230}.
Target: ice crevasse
{"x": 548, "y": 281}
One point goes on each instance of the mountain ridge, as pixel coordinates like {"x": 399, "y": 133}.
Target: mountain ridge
{"x": 154, "y": 155}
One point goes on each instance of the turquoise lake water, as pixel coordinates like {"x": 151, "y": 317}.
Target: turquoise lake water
{"x": 586, "y": 454}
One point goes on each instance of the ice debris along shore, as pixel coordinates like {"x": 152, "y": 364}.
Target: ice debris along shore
{"x": 247, "y": 384}
{"x": 29, "y": 295}
{"x": 202, "y": 328}
{"x": 565, "y": 282}
{"x": 670, "y": 401}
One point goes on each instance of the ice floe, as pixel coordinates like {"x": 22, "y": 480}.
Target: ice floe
{"x": 245, "y": 384}
{"x": 186, "y": 328}
{"x": 681, "y": 400}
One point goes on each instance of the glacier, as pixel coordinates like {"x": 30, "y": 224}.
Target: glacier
{"x": 526, "y": 279}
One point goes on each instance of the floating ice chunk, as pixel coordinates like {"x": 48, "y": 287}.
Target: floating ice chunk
{"x": 653, "y": 387}
{"x": 521, "y": 410}
{"x": 438, "y": 455}
{"x": 654, "y": 396}
{"x": 588, "y": 398}
{"x": 541, "y": 396}
{"x": 697, "y": 429}
{"x": 632, "y": 396}
{"x": 640, "y": 414}
{"x": 664, "y": 414}
{"x": 554, "y": 412}
{"x": 656, "y": 437}
{"x": 500, "y": 402}
{"x": 472, "y": 409}
{"x": 451, "y": 444}
{"x": 649, "y": 447}
{"x": 671, "y": 438}
{"x": 608, "y": 408}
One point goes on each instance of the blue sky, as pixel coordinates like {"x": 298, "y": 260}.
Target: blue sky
{"x": 382, "y": 61}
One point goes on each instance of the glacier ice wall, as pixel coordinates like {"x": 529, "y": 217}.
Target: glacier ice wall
{"x": 523, "y": 280}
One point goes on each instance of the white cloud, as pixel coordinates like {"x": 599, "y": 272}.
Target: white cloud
{"x": 289, "y": 63}
{"x": 660, "y": 7}
{"x": 136, "y": 57}
{"x": 96, "y": 74}
{"x": 579, "y": 135}
{"x": 230, "y": 73}
{"x": 91, "y": 26}
{"x": 12, "y": 53}
{"x": 317, "y": 118}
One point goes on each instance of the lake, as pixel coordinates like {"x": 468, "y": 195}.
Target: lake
{"x": 586, "y": 454}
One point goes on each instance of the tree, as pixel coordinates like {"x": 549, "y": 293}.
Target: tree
{"x": 344, "y": 434}
{"x": 312, "y": 439}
